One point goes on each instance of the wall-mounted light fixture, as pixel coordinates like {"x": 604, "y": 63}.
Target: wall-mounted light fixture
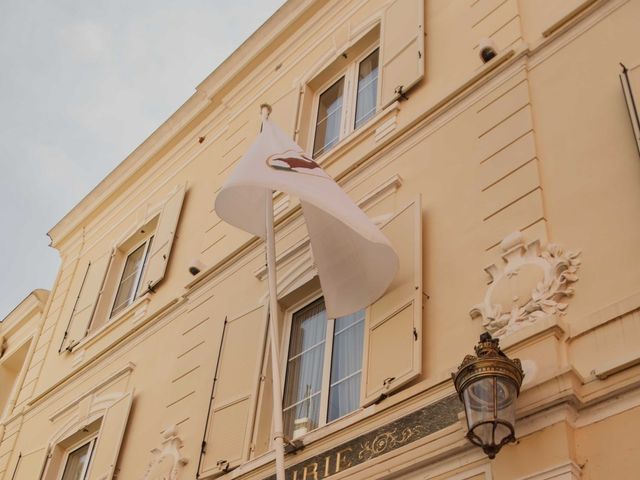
{"x": 487, "y": 49}
{"x": 488, "y": 385}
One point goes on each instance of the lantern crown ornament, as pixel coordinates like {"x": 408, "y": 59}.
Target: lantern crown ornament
{"x": 488, "y": 384}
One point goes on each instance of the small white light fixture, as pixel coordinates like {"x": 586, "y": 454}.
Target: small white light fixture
{"x": 487, "y": 49}
{"x": 196, "y": 266}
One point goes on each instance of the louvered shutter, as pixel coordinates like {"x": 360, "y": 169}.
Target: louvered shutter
{"x": 112, "y": 427}
{"x": 30, "y": 466}
{"x": 402, "y": 41}
{"x": 393, "y": 333}
{"x": 163, "y": 238}
{"x": 233, "y": 406}
{"x": 88, "y": 296}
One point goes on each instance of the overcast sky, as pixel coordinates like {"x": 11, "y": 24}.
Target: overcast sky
{"x": 82, "y": 84}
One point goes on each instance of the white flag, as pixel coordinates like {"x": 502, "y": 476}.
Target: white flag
{"x": 355, "y": 261}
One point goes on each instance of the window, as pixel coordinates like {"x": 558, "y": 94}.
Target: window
{"x": 10, "y": 367}
{"x": 132, "y": 273}
{"x": 347, "y": 102}
{"x": 77, "y": 461}
{"x": 113, "y": 280}
{"x": 324, "y": 366}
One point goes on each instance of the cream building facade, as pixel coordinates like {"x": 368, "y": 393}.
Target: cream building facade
{"x": 510, "y": 190}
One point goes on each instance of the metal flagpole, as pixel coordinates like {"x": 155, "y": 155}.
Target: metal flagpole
{"x": 278, "y": 434}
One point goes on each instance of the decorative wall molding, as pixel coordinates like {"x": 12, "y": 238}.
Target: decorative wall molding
{"x": 167, "y": 460}
{"x": 88, "y": 409}
{"x": 565, "y": 471}
{"x": 381, "y": 191}
{"x": 111, "y": 379}
{"x": 532, "y": 284}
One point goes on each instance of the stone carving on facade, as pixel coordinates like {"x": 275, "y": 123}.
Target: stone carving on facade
{"x": 167, "y": 460}
{"x": 532, "y": 283}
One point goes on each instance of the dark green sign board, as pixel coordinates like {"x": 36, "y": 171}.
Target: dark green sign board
{"x": 387, "y": 438}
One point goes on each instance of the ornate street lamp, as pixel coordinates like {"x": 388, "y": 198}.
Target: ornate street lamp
{"x": 488, "y": 385}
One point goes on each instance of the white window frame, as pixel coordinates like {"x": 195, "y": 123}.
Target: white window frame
{"x": 139, "y": 276}
{"x": 69, "y": 450}
{"x": 349, "y": 99}
{"x": 327, "y": 359}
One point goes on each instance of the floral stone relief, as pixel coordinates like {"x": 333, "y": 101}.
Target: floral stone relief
{"x": 167, "y": 460}
{"x": 531, "y": 283}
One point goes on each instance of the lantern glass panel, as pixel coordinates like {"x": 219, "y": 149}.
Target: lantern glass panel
{"x": 506, "y": 404}
{"x": 487, "y": 400}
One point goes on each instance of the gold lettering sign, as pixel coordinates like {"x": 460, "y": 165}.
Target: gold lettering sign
{"x": 372, "y": 444}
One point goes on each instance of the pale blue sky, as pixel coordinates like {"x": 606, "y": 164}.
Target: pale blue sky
{"x": 83, "y": 83}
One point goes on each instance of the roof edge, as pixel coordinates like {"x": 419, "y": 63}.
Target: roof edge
{"x": 34, "y": 301}
{"x": 203, "y": 98}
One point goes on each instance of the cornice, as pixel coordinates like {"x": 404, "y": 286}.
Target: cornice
{"x": 34, "y": 302}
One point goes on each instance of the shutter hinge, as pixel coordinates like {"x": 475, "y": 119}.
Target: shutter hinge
{"x": 203, "y": 447}
{"x": 399, "y": 91}
{"x": 415, "y": 333}
{"x": 223, "y": 465}
{"x": 292, "y": 446}
{"x": 380, "y": 398}
{"x": 71, "y": 346}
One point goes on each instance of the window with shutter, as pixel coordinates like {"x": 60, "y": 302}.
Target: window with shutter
{"x": 369, "y": 73}
{"x": 323, "y": 368}
{"x": 107, "y": 447}
{"x": 393, "y": 331}
{"x": 233, "y": 402}
{"x": 349, "y": 97}
{"x": 83, "y": 449}
{"x": 113, "y": 281}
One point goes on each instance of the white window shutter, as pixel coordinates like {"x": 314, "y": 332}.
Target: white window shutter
{"x": 88, "y": 296}
{"x": 233, "y": 405}
{"x": 163, "y": 238}
{"x": 402, "y": 52}
{"x": 30, "y": 466}
{"x": 112, "y": 427}
{"x": 393, "y": 332}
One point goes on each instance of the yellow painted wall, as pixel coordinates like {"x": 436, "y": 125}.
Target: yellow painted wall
{"x": 537, "y": 141}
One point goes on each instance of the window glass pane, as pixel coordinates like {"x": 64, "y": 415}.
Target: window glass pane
{"x": 304, "y": 375}
{"x": 304, "y": 366}
{"x": 346, "y": 365}
{"x": 329, "y": 115}
{"x": 76, "y": 463}
{"x": 306, "y": 413}
{"x": 344, "y": 397}
{"x": 144, "y": 264}
{"x": 128, "y": 282}
{"x": 367, "y": 89}
{"x": 308, "y": 327}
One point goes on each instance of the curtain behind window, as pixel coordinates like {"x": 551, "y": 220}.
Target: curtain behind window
{"x": 346, "y": 365}
{"x": 304, "y": 369}
{"x": 76, "y": 463}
